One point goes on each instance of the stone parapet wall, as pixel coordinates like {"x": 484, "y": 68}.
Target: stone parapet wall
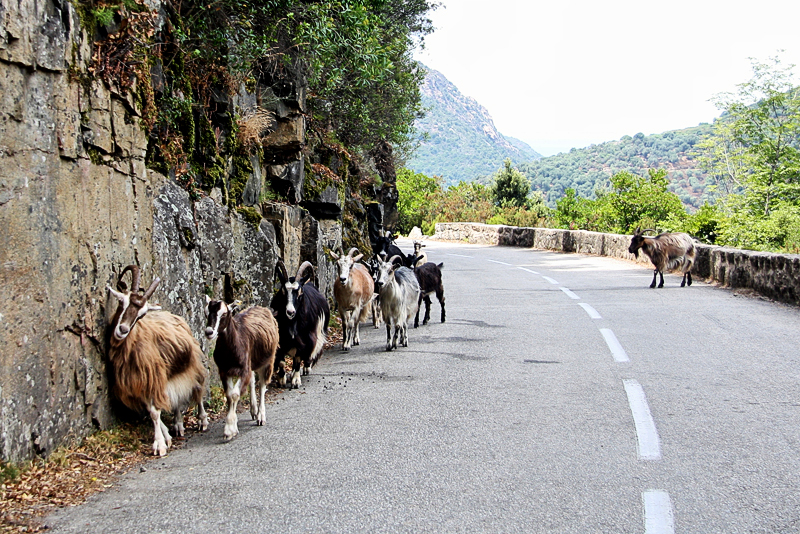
{"x": 776, "y": 276}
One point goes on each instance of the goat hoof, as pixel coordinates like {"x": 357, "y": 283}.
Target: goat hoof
{"x": 159, "y": 449}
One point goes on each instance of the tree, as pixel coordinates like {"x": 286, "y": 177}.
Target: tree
{"x": 510, "y": 188}
{"x": 417, "y": 194}
{"x": 639, "y": 201}
{"x": 755, "y": 146}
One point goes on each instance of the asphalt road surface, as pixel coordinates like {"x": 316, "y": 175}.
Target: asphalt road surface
{"x": 561, "y": 395}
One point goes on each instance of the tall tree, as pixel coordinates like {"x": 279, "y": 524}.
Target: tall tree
{"x": 755, "y": 146}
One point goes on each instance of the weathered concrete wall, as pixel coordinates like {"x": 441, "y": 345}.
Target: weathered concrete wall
{"x": 776, "y": 276}
{"x": 77, "y": 204}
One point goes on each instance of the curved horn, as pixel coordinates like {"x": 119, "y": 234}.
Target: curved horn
{"x": 280, "y": 270}
{"x": 152, "y": 288}
{"x": 135, "y": 274}
{"x": 391, "y": 260}
{"x": 350, "y": 254}
{"x": 649, "y": 230}
{"x": 305, "y": 265}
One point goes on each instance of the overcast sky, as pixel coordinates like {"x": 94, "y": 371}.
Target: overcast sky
{"x": 569, "y": 73}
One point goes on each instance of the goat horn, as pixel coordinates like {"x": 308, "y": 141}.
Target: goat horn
{"x": 135, "y": 274}
{"x": 305, "y": 265}
{"x": 280, "y": 270}
{"x": 649, "y": 230}
{"x": 350, "y": 254}
{"x": 391, "y": 260}
{"x": 152, "y": 288}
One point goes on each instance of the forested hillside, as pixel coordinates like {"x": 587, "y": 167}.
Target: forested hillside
{"x": 590, "y": 168}
{"x": 458, "y": 139}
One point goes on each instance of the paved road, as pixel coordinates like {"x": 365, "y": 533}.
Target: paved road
{"x": 562, "y": 395}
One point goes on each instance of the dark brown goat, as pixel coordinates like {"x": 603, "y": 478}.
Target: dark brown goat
{"x": 157, "y": 363}
{"x": 429, "y": 276}
{"x": 667, "y": 251}
{"x": 245, "y": 353}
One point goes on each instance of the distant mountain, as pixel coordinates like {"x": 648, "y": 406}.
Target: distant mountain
{"x": 459, "y": 140}
{"x": 587, "y": 169}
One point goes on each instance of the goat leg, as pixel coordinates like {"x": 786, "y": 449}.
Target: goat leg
{"x": 253, "y": 404}
{"x": 653, "y": 283}
{"x": 159, "y": 442}
{"x": 427, "y": 310}
{"x": 202, "y": 416}
{"x": 661, "y": 283}
{"x": 232, "y": 392}
{"x": 441, "y": 303}
{"x": 689, "y": 274}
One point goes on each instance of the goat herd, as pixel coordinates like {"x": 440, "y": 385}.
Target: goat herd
{"x": 157, "y": 363}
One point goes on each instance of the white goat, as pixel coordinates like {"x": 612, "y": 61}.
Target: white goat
{"x": 399, "y": 292}
{"x": 157, "y": 363}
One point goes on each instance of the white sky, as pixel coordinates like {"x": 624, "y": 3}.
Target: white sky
{"x": 569, "y": 73}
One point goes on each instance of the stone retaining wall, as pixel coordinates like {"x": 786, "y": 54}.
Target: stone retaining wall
{"x": 776, "y": 276}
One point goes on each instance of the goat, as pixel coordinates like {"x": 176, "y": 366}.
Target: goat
{"x": 375, "y": 303}
{"x": 244, "y": 353}
{"x": 399, "y": 292}
{"x": 157, "y": 363}
{"x": 303, "y": 315}
{"x": 429, "y": 276}
{"x": 386, "y": 247}
{"x": 418, "y": 257}
{"x": 353, "y": 291}
{"x": 667, "y": 251}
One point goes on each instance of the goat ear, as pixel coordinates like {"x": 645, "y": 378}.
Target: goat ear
{"x": 153, "y": 307}
{"x": 208, "y": 300}
{"x": 334, "y": 255}
{"x": 234, "y": 307}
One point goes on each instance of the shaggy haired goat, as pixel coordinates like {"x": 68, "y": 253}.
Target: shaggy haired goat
{"x": 667, "y": 252}
{"x": 303, "y": 315}
{"x": 429, "y": 276}
{"x": 353, "y": 290}
{"x": 399, "y": 291}
{"x": 157, "y": 364}
{"x": 245, "y": 353}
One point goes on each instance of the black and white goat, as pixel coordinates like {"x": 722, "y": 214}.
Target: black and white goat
{"x": 303, "y": 315}
{"x": 418, "y": 257}
{"x": 386, "y": 247}
{"x": 353, "y": 291}
{"x": 375, "y": 303}
{"x": 157, "y": 364}
{"x": 244, "y": 353}
{"x": 429, "y": 276}
{"x": 399, "y": 292}
{"x": 667, "y": 251}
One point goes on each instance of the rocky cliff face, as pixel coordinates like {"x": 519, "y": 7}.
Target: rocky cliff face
{"x": 78, "y": 203}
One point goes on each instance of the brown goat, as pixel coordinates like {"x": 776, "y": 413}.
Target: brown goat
{"x": 244, "y": 353}
{"x": 353, "y": 291}
{"x": 157, "y": 363}
{"x": 667, "y": 251}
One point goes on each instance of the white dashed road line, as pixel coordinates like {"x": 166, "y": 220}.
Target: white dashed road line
{"x": 569, "y": 293}
{"x": 658, "y": 517}
{"x": 591, "y": 311}
{"x": 616, "y": 349}
{"x": 501, "y": 262}
{"x": 459, "y": 255}
{"x": 550, "y": 280}
{"x": 527, "y": 270}
{"x": 646, "y": 434}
